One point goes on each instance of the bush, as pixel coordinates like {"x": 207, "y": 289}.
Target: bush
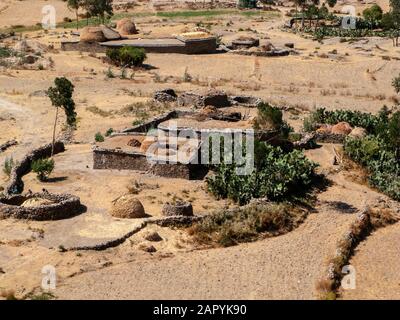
{"x": 43, "y": 168}
{"x": 396, "y": 84}
{"x": 373, "y": 15}
{"x": 126, "y": 56}
{"x": 277, "y": 175}
{"x": 98, "y": 137}
{"x": 109, "y": 132}
{"x": 8, "y": 165}
{"x": 227, "y": 228}
{"x": 381, "y": 161}
{"x": 371, "y": 123}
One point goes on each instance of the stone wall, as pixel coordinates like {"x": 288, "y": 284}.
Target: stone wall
{"x": 153, "y": 123}
{"x": 192, "y": 46}
{"x": 120, "y": 160}
{"x": 64, "y": 206}
{"x": 82, "y": 46}
{"x": 200, "y": 46}
{"x": 16, "y": 185}
{"x": 123, "y": 160}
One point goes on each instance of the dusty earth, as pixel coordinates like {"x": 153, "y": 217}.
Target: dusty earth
{"x": 357, "y": 77}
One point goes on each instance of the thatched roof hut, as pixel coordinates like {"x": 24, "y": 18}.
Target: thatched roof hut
{"x": 92, "y": 34}
{"x": 126, "y": 27}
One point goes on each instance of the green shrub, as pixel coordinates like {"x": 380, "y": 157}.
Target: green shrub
{"x": 113, "y": 54}
{"x": 126, "y": 56}
{"x": 8, "y": 165}
{"x": 271, "y": 118}
{"x": 381, "y": 161}
{"x": 43, "y": 168}
{"x": 363, "y": 150}
{"x": 277, "y": 175}
{"x": 98, "y": 137}
{"x": 109, "y": 132}
{"x": 6, "y": 52}
{"x": 367, "y": 121}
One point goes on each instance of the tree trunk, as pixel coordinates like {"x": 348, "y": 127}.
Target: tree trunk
{"x": 77, "y": 20}
{"x": 54, "y": 133}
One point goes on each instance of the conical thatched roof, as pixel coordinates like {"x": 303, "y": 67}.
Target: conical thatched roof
{"x": 126, "y": 27}
{"x": 92, "y": 34}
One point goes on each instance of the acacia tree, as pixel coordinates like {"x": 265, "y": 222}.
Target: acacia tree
{"x": 99, "y": 8}
{"x": 75, "y": 5}
{"x": 61, "y": 97}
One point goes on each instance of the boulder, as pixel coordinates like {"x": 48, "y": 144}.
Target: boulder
{"x": 245, "y": 42}
{"x": 92, "y": 34}
{"x": 134, "y": 143}
{"x": 127, "y": 206}
{"x": 341, "y": 128}
{"x": 177, "y": 209}
{"x": 152, "y": 236}
{"x": 126, "y": 27}
{"x": 358, "y": 133}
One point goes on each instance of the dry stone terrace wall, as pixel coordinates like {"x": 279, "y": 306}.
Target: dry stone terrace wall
{"x": 16, "y": 185}
{"x": 120, "y": 160}
{"x": 63, "y": 206}
{"x": 152, "y": 124}
{"x": 123, "y": 160}
{"x": 192, "y": 46}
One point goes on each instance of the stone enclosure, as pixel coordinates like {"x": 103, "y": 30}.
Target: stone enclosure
{"x": 170, "y": 145}
{"x": 53, "y": 207}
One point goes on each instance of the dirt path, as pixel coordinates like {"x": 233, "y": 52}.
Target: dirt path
{"x": 278, "y": 268}
{"x": 285, "y": 267}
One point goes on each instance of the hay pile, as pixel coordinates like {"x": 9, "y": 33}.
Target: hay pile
{"x": 92, "y": 34}
{"x": 126, "y": 27}
{"x": 127, "y": 206}
{"x": 36, "y": 202}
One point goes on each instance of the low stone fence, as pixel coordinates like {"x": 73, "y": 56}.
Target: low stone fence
{"x": 82, "y": 46}
{"x": 124, "y": 160}
{"x": 8, "y": 144}
{"x": 153, "y": 123}
{"x": 63, "y": 206}
{"x": 16, "y": 185}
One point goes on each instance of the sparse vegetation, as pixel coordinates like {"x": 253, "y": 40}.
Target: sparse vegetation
{"x": 98, "y": 137}
{"x": 277, "y": 175}
{"x": 8, "y": 165}
{"x": 126, "y": 56}
{"x": 43, "y": 168}
{"x": 228, "y": 228}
